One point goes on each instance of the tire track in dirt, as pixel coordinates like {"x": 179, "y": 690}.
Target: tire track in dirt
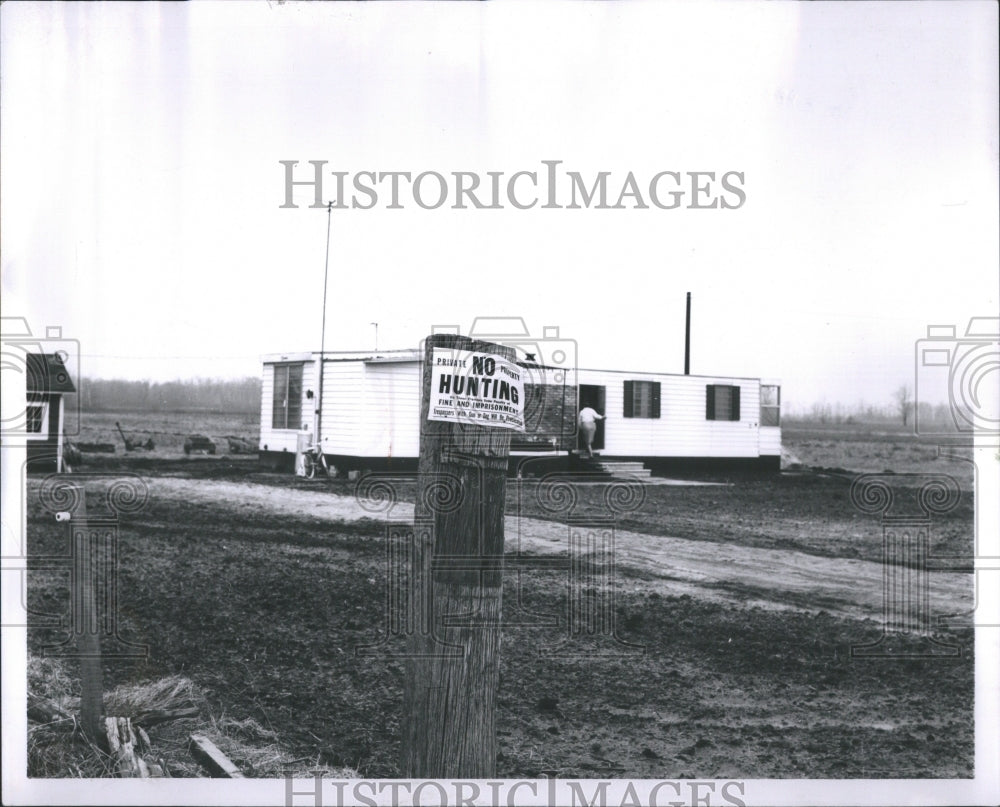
{"x": 718, "y": 571}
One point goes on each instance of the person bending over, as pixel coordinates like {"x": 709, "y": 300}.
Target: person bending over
{"x": 588, "y": 427}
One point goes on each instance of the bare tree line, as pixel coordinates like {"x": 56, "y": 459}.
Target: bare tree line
{"x": 236, "y": 396}
{"x": 243, "y": 396}
{"x": 900, "y": 412}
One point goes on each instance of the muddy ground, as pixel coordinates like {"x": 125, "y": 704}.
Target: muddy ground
{"x": 736, "y": 606}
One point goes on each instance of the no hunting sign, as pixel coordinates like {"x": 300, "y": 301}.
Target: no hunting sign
{"x": 473, "y": 387}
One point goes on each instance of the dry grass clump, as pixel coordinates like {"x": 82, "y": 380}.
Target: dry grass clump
{"x": 57, "y": 748}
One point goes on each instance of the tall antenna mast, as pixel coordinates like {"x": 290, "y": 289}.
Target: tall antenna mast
{"x": 687, "y": 337}
{"x": 318, "y": 416}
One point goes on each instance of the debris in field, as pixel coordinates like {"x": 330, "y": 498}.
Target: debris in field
{"x": 133, "y": 445}
{"x": 45, "y": 711}
{"x": 96, "y": 448}
{"x": 71, "y": 455}
{"x": 161, "y": 707}
{"x": 240, "y": 445}
{"x": 198, "y": 442}
{"x": 158, "y": 716}
{"x": 126, "y": 745}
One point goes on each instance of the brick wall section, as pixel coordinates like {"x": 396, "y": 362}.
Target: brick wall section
{"x": 550, "y": 414}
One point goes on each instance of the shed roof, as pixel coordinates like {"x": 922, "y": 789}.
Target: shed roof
{"x": 48, "y": 373}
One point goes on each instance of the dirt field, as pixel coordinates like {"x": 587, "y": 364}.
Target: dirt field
{"x": 736, "y": 608}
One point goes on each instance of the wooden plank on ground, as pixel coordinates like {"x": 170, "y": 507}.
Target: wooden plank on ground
{"x": 212, "y": 759}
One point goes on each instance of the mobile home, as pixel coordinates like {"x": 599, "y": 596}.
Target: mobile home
{"x": 366, "y": 412}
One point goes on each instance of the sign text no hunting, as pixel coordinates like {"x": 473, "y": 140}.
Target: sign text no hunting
{"x": 480, "y": 388}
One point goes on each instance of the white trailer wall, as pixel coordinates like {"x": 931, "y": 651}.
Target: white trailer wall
{"x": 682, "y": 429}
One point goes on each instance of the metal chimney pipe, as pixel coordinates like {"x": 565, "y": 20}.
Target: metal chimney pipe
{"x": 687, "y": 337}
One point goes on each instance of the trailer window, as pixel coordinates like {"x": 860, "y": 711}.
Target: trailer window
{"x": 722, "y": 402}
{"x": 642, "y": 399}
{"x": 770, "y": 405}
{"x": 286, "y": 410}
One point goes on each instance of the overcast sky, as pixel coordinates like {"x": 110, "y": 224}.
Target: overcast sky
{"x": 142, "y": 188}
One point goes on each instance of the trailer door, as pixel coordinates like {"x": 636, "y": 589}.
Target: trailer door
{"x": 593, "y": 396}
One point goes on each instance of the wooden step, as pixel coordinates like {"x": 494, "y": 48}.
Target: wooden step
{"x": 623, "y": 469}
{"x": 643, "y": 473}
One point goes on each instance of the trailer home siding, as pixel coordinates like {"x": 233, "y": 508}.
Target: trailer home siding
{"x": 392, "y": 410}
{"x": 681, "y": 428}
{"x": 342, "y": 421}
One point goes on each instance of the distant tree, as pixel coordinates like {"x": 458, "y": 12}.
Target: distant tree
{"x": 820, "y": 411}
{"x": 904, "y": 402}
{"x": 240, "y": 395}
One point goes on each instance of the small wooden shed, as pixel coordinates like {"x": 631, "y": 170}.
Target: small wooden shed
{"x": 47, "y": 382}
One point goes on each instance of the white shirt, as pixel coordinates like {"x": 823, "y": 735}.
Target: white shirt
{"x": 589, "y": 416}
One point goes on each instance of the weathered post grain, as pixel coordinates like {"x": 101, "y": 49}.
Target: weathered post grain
{"x": 449, "y": 700}
{"x": 86, "y": 545}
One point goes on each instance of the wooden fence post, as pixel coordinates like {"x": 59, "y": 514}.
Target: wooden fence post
{"x": 449, "y": 699}
{"x": 86, "y": 565}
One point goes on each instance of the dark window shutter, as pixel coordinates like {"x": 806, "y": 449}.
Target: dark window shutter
{"x": 628, "y": 399}
{"x": 736, "y": 404}
{"x": 709, "y": 402}
{"x": 654, "y": 409}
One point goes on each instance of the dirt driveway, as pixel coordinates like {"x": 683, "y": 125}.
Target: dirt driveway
{"x": 717, "y": 571}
